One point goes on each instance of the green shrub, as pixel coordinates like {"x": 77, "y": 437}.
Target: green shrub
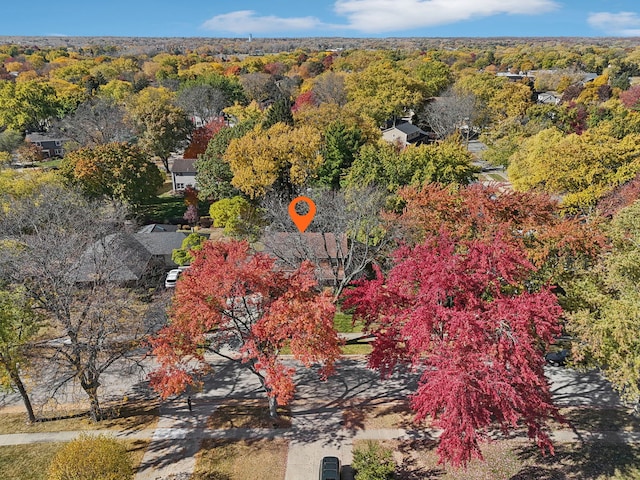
{"x": 373, "y": 462}
{"x": 90, "y": 457}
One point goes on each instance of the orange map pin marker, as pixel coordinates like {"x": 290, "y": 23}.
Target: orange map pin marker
{"x": 302, "y": 221}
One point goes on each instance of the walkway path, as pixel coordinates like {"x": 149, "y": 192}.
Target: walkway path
{"x": 317, "y": 415}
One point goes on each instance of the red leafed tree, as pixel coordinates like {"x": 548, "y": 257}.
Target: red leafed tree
{"x": 631, "y": 98}
{"x": 201, "y": 136}
{"x": 239, "y": 306}
{"x": 458, "y": 311}
{"x": 304, "y": 99}
{"x": 620, "y": 197}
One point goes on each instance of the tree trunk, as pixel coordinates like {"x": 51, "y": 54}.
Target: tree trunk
{"x": 273, "y": 407}
{"x": 15, "y": 378}
{"x": 165, "y": 163}
{"x": 95, "y": 412}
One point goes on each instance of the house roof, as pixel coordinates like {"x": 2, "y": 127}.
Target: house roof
{"x": 117, "y": 257}
{"x": 43, "y": 137}
{"x": 184, "y": 165}
{"x": 323, "y": 249}
{"x": 408, "y": 128}
{"x": 311, "y": 245}
{"x": 157, "y": 227}
{"x": 160, "y": 243}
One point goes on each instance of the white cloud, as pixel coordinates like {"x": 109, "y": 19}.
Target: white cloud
{"x": 248, "y": 21}
{"x": 379, "y": 16}
{"x": 624, "y": 24}
{"x": 374, "y": 16}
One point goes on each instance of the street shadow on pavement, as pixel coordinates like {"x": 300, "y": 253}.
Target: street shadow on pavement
{"x": 573, "y": 387}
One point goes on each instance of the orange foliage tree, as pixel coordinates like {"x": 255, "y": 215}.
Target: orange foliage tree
{"x": 237, "y": 305}
{"x": 555, "y": 243}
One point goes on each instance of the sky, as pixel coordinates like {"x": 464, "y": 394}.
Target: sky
{"x": 323, "y": 18}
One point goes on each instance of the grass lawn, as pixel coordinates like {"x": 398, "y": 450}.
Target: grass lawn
{"x": 342, "y": 323}
{"x": 50, "y": 163}
{"x": 132, "y": 416}
{"x": 30, "y": 462}
{"x": 163, "y": 209}
{"x": 247, "y": 413}
{"x": 517, "y": 460}
{"x": 356, "y": 349}
{"x": 241, "y": 460}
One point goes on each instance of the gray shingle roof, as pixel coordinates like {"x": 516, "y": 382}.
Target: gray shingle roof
{"x": 184, "y": 165}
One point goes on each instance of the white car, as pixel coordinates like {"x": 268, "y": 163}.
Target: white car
{"x": 172, "y": 278}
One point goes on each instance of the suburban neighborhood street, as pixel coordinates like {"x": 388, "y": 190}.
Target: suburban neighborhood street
{"x": 317, "y": 414}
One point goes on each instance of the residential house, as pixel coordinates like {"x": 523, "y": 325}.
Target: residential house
{"x": 128, "y": 258}
{"x": 183, "y": 174}
{"x": 549, "y": 98}
{"x": 51, "y": 146}
{"x": 161, "y": 244}
{"x": 404, "y": 133}
{"x": 326, "y": 250}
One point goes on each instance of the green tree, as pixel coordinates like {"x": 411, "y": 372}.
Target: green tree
{"x": 237, "y": 216}
{"x": 183, "y": 255}
{"x": 118, "y": 170}
{"x": 341, "y": 143}
{"x": 162, "y": 127}
{"x": 214, "y": 173}
{"x": 229, "y": 85}
{"x": 280, "y": 111}
{"x": 435, "y": 75}
{"x": 10, "y": 140}
{"x": 19, "y": 323}
{"x": 373, "y": 462}
{"x": 382, "y": 164}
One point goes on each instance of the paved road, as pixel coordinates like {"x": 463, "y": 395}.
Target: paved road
{"x": 317, "y": 429}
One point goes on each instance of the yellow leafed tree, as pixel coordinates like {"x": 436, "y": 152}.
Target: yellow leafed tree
{"x": 281, "y": 154}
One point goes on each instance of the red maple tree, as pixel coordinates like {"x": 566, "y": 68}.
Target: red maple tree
{"x": 201, "y": 136}
{"x": 304, "y": 99}
{"x": 459, "y": 312}
{"x": 236, "y": 304}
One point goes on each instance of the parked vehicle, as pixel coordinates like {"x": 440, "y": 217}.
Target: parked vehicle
{"x": 172, "y": 278}
{"x": 557, "y": 359}
{"x": 330, "y": 468}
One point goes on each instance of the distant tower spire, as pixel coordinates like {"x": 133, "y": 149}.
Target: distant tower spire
{"x": 250, "y": 37}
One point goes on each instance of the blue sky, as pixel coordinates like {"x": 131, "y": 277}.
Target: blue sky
{"x": 313, "y": 18}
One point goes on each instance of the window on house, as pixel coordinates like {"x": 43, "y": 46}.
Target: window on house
{"x": 179, "y": 186}
{"x": 58, "y": 143}
{"x": 58, "y": 151}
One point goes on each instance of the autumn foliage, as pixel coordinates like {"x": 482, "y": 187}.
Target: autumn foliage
{"x": 458, "y": 311}
{"x": 527, "y": 220}
{"x": 201, "y": 136}
{"x": 233, "y": 299}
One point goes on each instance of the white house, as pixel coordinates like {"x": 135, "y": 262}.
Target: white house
{"x": 183, "y": 173}
{"x": 404, "y": 133}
